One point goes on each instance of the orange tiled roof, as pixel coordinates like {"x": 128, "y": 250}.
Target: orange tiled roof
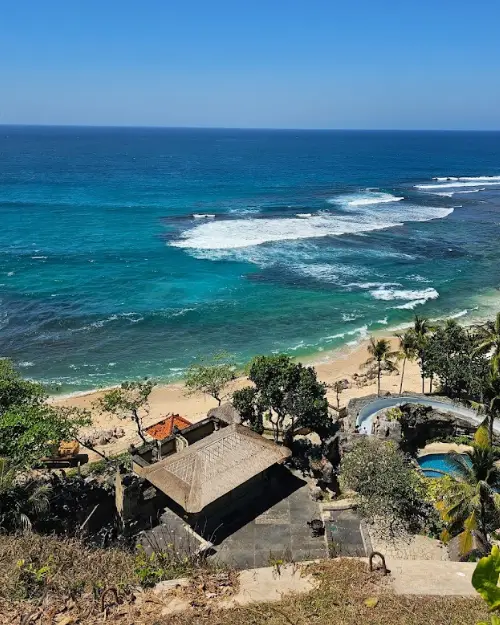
{"x": 165, "y": 427}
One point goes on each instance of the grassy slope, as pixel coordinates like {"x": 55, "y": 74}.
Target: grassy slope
{"x": 77, "y": 576}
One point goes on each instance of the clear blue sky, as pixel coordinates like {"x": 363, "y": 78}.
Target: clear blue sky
{"x": 251, "y": 63}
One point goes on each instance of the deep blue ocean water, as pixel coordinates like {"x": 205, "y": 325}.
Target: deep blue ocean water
{"x": 132, "y": 252}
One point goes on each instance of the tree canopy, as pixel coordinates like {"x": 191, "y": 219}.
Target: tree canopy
{"x": 211, "y": 377}
{"x": 381, "y": 357}
{"x": 389, "y": 490}
{"x": 129, "y": 401}
{"x": 287, "y": 393}
{"x": 30, "y": 428}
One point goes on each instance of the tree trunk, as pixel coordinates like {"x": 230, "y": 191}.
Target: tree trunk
{"x": 338, "y": 400}
{"x": 423, "y": 385}
{"x": 379, "y": 373}
{"x": 402, "y": 376}
{"x": 137, "y": 419}
{"x": 482, "y": 520}
{"x": 430, "y": 384}
{"x": 92, "y": 448}
{"x": 491, "y": 422}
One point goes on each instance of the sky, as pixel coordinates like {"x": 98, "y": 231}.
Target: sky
{"x": 395, "y": 64}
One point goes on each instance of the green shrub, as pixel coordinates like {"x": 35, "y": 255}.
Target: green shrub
{"x": 159, "y": 566}
{"x": 394, "y": 414}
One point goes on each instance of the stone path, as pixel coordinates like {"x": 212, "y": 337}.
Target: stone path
{"x": 410, "y": 548}
{"x": 421, "y": 577}
{"x": 345, "y": 536}
{"x": 279, "y": 533}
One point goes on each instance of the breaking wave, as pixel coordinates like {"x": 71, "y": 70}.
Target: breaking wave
{"x": 366, "y": 198}
{"x": 493, "y": 181}
{"x": 415, "y": 297}
{"x": 240, "y": 233}
{"x": 467, "y": 178}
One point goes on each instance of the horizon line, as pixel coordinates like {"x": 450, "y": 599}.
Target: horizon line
{"x": 247, "y": 128}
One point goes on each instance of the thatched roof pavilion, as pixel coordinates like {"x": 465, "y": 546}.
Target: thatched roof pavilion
{"x": 213, "y": 466}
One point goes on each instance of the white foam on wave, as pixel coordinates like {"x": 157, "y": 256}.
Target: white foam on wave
{"x": 418, "y": 278}
{"x": 457, "y": 315}
{"x": 411, "y": 305}
{"x": 239, "y": 233}
{"x": 372, "y": 285}
{"x": 365, "y": 198}
{"x": 458, "y": 184}
{"x": 466, "y": 178}
{"x": 334, "y": 273}
{"x": 388, "y": 294}
{"x": 471, "y": 191}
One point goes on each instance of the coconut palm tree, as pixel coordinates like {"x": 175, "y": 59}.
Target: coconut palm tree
{"x": 421, "y": 331}
{"x": 490, "y": 404}
{"x": 489, "y": 341}
{"x": 407, "y": 351}
{"x": 338, "y": 387}
{"x": 470, "y": 503}
{"x": 381, "y": 356}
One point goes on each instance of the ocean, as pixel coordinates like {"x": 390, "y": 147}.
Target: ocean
{"x": 132, "y": 252}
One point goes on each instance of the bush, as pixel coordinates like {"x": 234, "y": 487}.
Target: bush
{"x": 394, "y": 414}
{"x": 390, "y": 491}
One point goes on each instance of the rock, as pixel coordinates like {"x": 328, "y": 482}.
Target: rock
{"x": 175, "y": 606}
{"x": 316, "y": 493}
{"x": 387, "y": 430}
{"x": 171, "y": 584}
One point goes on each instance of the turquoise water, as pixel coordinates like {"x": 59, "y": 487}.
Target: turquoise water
{"x": 131, "y": 252}
{"x": 434, "y": 465}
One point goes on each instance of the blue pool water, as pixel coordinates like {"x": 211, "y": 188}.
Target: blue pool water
{"x": 432, "y": 464}
{"x": 128, "y": 252}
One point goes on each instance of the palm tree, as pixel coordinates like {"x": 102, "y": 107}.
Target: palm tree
{"x": 421, "y": 331}
{"x": 338, "y": 387}
{"x": 380, "y": 356}
{"x": 490, "y": 404}
{"x": 407, "y": 351}
{"x": 489, "y": 341}
{"x": 471, "y": 503}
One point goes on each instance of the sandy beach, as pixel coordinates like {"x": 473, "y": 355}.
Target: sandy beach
{"x": 171, "y": 398}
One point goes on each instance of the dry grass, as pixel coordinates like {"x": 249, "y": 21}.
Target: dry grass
{"x": 343, "y": 587}
{"x": 66, "y": 567}
{"x": 339, "y": 599}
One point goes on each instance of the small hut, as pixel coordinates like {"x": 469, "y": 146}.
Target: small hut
{"x": 211, "y": 475}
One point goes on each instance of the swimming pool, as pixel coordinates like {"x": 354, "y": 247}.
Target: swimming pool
{"x": 434, "y": 465}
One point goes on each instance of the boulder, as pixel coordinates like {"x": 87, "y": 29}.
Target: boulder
{"x": 387, "y": 430}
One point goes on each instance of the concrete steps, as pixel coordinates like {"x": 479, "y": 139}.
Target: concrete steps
{"x": 432, "y": 577}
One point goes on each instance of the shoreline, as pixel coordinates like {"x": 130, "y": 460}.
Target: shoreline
{"x": 342, "y": 364}
{"x": 315, "y": 358}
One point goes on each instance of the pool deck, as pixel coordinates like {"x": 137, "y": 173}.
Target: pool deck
{"x": 443, "y": 448}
